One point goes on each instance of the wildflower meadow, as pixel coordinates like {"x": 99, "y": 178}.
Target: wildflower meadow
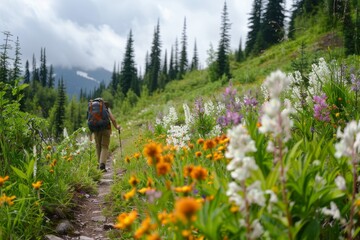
{"x": 278, "y": 163}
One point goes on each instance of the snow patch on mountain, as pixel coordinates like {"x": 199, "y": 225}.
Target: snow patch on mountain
{"x": 86, "y": 75}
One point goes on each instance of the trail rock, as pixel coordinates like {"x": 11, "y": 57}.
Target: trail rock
{"x": 52, "y": 237}
{"x": 64, "y": 227}
{"x": 85, "y": 238}
{"x": 99, "y": 219}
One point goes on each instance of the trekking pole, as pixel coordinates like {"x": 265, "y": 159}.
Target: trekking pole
{"x": 120, "y": 143}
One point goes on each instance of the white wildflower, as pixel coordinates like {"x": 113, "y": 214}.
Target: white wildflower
{"x": 349, "y": 140}
{"x": 276, "y": 83}
{"x": 178, "y": 136}
{"x": 188, "y": 116}
{"x": 209, "y": 108}
{"x": 333, "y": 211}
{"x": 340, "y": 183}
{"x": 257, "y": 229}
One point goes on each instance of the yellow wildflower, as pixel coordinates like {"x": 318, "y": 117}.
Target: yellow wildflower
{"x": 133, "y": 181}
{"x": 3, "y": 180}
{"x": 124, "y": 220}
{"x": 37, "y": 185}
{"x": 186, "y": 208}
{"x": 130, "y": 194}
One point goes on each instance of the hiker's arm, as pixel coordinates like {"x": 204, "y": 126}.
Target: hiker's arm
{"x": 113, "y": 120}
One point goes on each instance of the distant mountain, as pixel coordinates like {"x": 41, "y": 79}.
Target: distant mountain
{"x": 76, "y": 79}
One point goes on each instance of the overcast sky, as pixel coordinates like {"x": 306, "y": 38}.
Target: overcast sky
{"x": 93, "y": 33}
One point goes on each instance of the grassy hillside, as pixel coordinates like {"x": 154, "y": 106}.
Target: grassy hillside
{"x": 247, "y": 76}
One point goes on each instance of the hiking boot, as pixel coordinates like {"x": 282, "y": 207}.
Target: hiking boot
{"x": 102, "y": 167}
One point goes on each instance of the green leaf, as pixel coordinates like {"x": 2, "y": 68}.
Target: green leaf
{"x": 310, "y": 231}
{"x": 19, "y": 173}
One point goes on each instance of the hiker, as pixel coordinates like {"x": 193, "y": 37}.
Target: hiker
{"x": 102, "y": 135}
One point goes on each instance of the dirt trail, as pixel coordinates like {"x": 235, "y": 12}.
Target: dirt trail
{"x": 90, "y": 223}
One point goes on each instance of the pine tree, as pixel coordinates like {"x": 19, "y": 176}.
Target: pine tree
{"x": 348, "y": 30}
{"x": 51, "y": 79}
{"x": 223, "y": 63}
{"x": 195, "y": 59}
{"x": 239, "y": 55}
{"x": 59, "y": 120}
{"x": 35, "y": 72}
{"x": 176, "y": 58}
{"x": 172, "y": 73}
{"x": 183, "y": 65}
{"x": 4, "y": 58}
{"x": 254, "y": 27}
{"x": 27, "y": 73}
{"x": 114, "y": 80}
{"x": 128, "y": 74}
{"x": 154, "y": 65}
{"x": 43, "y": 68}
{"x": 273, "y": 23}
{"x": 17, "y": 61}
{"x": 357, "y": 28}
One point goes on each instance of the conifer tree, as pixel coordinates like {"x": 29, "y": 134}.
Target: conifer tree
{"x": 172, "y": 71}
{"x": 4, "y": 58}
{"x": 59, "y": 120}
{"x": 348, "y": 30}
{"x": 114, "y": 80}
{"x": 51, "y": 79}
{"x": 254, "y": 27}
{"x": 155, "y": 64}
{"x": 43, "y": 68}
{"x": 273, "y": 23}
{"x": 223, "y": 63}
{"x": 16, "y": 73}
{"x": 176, "y": 58}
{"x": 357, "y": 28}
{"x": 27, "y": 73}
{"x": 239, "y": 54}
{"x": 195, "y": 59}
{"x": 183, "y": 65}
{"x": 128, "y": 74}
{"x": 35, "y": 72}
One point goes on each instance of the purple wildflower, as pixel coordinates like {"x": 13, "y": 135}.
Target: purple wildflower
{"x": 250, "y": 102}
{"x": 199, "y": 108}
{"x": 355, "y": 82}
{"x": 321, "y": 108}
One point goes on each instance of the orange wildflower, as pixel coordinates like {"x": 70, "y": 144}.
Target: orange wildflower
{"x": 200, "y": 141}
{"x": 163, "y": 168}
{"x": 133, "y": 181}
{"x": 149, "y": 182}
{"x": 186, "y": 208}
{"x": 258, "y": 124}
{"x": 144, "y": 190}
{"x": 127, "y": 159}
{"x": 199, "y": 173}
{"x": 37, "y": 185}
{"x": 152, "y": 150}
{"x": 3, "y": 180}
{"x": 130, "y": 194}
{"x": 6, "y": 199}
{"x": 145, "y": 228}
{"x": 169, "y": 158}
{"x": 198, "y": 154}
{"x": 124, "y": 220}
{"x": 183, "y": 189}
{"x": 187, "y": 170}
{"x": 154, "y": 236}
{"x": 209, "y": 144}
{"x": 190, "y": 145}
{"x": 137, "y": 155}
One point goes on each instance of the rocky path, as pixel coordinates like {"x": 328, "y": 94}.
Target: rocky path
{"x": 89, "y": 222}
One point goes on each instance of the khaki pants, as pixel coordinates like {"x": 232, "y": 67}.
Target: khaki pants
{"x": 102, "y": 140}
